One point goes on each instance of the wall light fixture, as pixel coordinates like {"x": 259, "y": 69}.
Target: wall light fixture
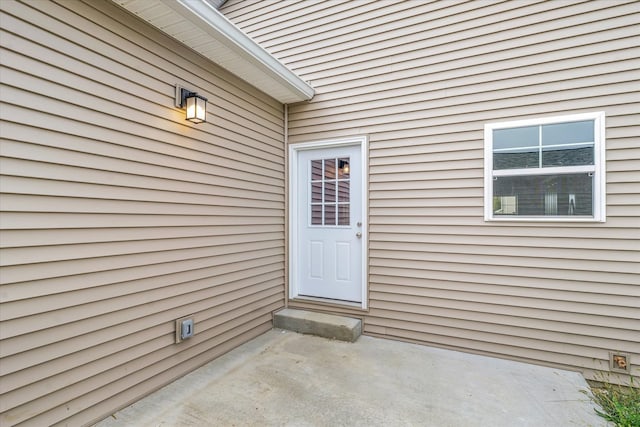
{"x": 195, "y": 105}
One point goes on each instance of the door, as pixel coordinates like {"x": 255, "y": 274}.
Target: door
{"x": 329, "y": 233}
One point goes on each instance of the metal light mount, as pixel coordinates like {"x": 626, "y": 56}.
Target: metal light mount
{"x": 195, "y": 105}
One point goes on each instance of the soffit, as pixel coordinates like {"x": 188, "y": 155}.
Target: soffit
{"x": 198, "y": 25}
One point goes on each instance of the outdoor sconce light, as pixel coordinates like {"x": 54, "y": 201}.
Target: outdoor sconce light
{"x": 195, "y": 105}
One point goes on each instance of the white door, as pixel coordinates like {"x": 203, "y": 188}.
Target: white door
{"x": 329, "y": 233}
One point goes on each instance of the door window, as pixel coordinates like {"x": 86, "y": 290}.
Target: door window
{"x": 330, "y": 192}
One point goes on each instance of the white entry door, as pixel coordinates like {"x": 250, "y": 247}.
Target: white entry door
{"x": 329, "y": 217}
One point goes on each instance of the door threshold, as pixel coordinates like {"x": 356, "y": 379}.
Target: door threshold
{"x": 306, "y": 298}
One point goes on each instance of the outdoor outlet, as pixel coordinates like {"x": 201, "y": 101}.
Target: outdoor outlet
{"x": 184, "y": 329}
{"x": 619, "y": 362}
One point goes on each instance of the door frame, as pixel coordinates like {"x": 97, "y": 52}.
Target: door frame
{"x": 294, "y": 150}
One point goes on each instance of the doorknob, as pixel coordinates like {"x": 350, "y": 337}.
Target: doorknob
{"x": 358, "y": 234}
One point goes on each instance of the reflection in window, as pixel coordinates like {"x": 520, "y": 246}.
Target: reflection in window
{"x": 549, "y": 145}
{"x": 343, "y": 214}
{"x": 330, "y": 191}
{"x": 316, "y": 214}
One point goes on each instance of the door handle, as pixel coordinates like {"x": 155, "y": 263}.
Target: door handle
{"x": 358, "y": 234}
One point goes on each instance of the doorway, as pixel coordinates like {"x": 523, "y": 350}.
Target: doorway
{"x": 328, "y": 230}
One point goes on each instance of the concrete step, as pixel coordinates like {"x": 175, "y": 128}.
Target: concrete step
{"x": 320, "y": 324}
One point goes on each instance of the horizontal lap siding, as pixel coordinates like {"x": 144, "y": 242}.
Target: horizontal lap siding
{"x": 421, "y": 79}
{"x": 119, "y": 217}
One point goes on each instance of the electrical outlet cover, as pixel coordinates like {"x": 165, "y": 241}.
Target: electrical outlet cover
{"x": 187, "y": 328}
{"x": 184, "y": 329}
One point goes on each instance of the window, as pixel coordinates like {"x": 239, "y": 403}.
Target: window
{"x": 330, "y": 192}
{"x": 546, "y": 169}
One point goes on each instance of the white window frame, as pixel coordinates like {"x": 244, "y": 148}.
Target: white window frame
{"x": 598, "y": 168}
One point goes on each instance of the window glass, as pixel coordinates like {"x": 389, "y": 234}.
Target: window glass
{"x": 343, "y": 191}
{"x": 316, "y": 192}
{"x": 330, "y": 169}
{"x": 519, "y": 137}
{"x": 343, "y": 168}
{"x": 567, "y": 133}
{"x": 330, "y": 192}
{"x": 343, "y": 214}
{"x": 517, "y": 159}
{"x": 516, "y": 148}
{"x": 573, "y": 155}
{"x": 330, "y": 214}
{"x": 316, "y": 214}
{"x": 558, "y": 195}
{"x": 316, "y": 170}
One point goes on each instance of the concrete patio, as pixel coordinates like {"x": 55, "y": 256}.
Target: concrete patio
{"x": 283, "y": 378}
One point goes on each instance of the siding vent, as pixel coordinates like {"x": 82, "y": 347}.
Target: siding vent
{"x": 619, "y": 362}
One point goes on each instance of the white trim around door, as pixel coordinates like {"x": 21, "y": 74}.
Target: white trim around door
{"x": 360, "y": 218}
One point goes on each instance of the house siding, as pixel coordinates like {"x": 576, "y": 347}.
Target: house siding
{"x": 421, "y": 79}
{"x": 119, "y": 217}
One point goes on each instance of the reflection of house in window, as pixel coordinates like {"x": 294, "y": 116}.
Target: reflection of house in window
{"x": 330, "y": 192}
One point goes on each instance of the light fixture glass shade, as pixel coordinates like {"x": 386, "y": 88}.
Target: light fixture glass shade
{"x": 196, "y": 108}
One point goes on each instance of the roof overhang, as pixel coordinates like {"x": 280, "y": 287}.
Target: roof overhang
{"x": 198, "y": 25}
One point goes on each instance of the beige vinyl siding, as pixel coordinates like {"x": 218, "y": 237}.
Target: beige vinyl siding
{"x": 119, "y": 217}
{"x": 421, "y": 79}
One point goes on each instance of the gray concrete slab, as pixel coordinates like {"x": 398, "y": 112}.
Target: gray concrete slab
{"x": 287, "y": 379}
{"x": 319, "y": 324}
